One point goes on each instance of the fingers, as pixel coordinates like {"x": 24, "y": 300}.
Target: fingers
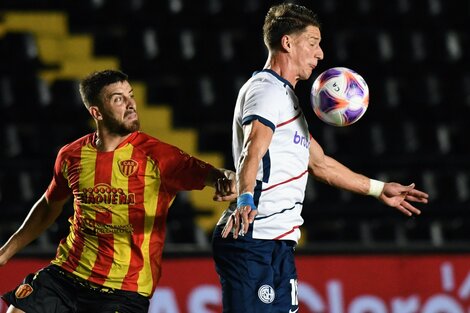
{"x": 245, "y": 219}
{"x": 418, "y": 196}
{"x": 236, "y": 223}
{"x": 407, "y": 209}
{"x": 411, "y": 209}
{"x": 403, "y": 210}
{"x": 239, "y": 222}
{"x": 224, "y": 189}
{"x": 414, "y": 198}
{"x": 228, "y": 227}
{"x": 252, "y": 215}
{"x": 223, "y": 186}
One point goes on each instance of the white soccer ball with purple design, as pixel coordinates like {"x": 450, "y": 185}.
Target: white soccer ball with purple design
{"x": 339, "y": 96}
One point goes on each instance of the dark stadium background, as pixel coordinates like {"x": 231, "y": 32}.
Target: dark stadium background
{"x": 192, "y": 56}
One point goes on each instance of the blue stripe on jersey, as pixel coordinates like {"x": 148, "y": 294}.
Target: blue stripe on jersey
{"x": 280, "y": 212}
{"x": 266, "y": 167}
{"x": 250, "y": 118}
{"x": 257, "y": 192}
{"x": 282, "y": 79}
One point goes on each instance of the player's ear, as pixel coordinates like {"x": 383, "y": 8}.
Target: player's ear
{"x": 95, "y": 113}
{"x": 286, "y": 42}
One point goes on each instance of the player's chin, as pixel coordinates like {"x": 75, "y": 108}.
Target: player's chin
{"x": 306, "y": 75}
{"x": 133, "y": 125}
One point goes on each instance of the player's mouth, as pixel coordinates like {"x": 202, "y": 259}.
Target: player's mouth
{"x": 131, "y": 115}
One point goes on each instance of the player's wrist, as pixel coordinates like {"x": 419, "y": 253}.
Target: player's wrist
{"x": 246, "y": 199}
{"x": 376, "y": 188}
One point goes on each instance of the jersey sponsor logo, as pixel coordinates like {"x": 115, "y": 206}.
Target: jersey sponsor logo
{"x": 301, "y": 140}
{"x": 23, "y": 291}
{"x": 92, "y": 226}
{"x": 128, "y": 167}
{"x": 295, "y": 311}
{"x": 105, "y": 194}
{"x": 266, "y": 294}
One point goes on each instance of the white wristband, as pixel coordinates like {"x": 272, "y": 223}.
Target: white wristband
{"x": 375, "y": 188}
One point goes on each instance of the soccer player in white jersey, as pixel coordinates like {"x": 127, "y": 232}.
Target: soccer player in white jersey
{"x": 253, "y": 243}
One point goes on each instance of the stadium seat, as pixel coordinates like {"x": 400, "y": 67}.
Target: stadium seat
{"x": 456, "y": 230}
{"x": 19, "y": 53}
{"x": 194, "y": 55}
{"x": 383, "y": 230}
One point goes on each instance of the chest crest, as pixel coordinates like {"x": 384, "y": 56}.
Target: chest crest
{"x": 128, "y": 167}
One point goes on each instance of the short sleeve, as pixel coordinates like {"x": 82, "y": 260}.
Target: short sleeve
{"x": 262, "y": 103}
{"x": 58, "y": 188}
{"x": 180, "y": 171}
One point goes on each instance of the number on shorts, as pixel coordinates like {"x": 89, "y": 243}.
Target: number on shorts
{"x": 293, "y": 292}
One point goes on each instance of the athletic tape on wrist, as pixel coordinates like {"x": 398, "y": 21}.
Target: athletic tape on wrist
{"x": 376, "y": 188}
{"x": 246, "y": 199}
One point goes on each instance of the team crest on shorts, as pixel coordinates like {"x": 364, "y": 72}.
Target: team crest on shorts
{"x": 266, "y": 294}
{"x": 23, "y": 291}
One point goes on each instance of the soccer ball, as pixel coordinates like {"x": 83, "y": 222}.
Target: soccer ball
{"x": 339, "y": 96}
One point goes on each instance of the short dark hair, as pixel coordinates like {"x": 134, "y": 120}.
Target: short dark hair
{"x": 285, "y": 19}
{"x": 91, "y": 86}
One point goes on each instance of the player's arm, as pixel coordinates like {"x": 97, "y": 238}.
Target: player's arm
{"x": 40, "y": 217}
{"x": 332, "y": 172}
{"x": 258, "y": 137}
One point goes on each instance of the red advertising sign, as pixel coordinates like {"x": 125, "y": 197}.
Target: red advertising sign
{"x": 327, "y": 284}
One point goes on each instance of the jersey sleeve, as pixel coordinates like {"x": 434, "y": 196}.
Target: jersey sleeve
{"x": 58, "y": 188}
{"x": 261, "y": 104}
{"x": 180, "y": 171}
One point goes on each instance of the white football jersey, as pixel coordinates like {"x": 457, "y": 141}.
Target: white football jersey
{"x": 283, "y": 171}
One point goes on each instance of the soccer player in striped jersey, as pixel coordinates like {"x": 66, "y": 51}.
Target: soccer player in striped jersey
{"x": 254, "y": 241}
{"x": 122, "y": 182}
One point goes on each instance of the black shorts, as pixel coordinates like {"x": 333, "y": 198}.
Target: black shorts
{"x": 54, "y": 290}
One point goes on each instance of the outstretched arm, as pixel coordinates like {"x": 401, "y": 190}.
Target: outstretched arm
{"x": 42, "y": 215}
{"x": 332, "y": 172}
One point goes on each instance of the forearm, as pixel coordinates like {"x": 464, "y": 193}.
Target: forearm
{"x": 246, "y": 179}
{"x": 40, "y": 217}
{"x": 337, "y": 175}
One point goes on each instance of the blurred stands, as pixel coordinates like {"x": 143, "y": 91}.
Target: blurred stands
{"x": 194, "y": 55}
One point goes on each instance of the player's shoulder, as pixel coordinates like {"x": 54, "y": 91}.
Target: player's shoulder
{"x": 267, "y": 82}
{"x": 77, "y": 144}
{"x": 270, "y": 78}
{"x": 151, "y": 145}
{"x": 143, "y": 139}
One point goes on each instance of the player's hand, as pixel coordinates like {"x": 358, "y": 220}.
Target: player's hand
{"x": 242, "y": 217}
{"x": 398, "y": 196}
{"x": 225, "y": 187}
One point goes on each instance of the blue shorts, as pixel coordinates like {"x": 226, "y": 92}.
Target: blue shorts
{"x": 256, "y": 275}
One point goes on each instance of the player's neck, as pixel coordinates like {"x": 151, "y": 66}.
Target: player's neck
{"x": 106, "y": 142}
{"x": 280, "y": 64}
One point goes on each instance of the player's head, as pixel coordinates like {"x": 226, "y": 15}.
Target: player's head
{"x": 109, "y": 98}
{"x": 292, "y": 32}
{"x": 286, "y": 19}
{"x": 91, "y": 86}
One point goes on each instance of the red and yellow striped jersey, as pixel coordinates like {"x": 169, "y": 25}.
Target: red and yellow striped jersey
{"x": 121, "y": 200}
